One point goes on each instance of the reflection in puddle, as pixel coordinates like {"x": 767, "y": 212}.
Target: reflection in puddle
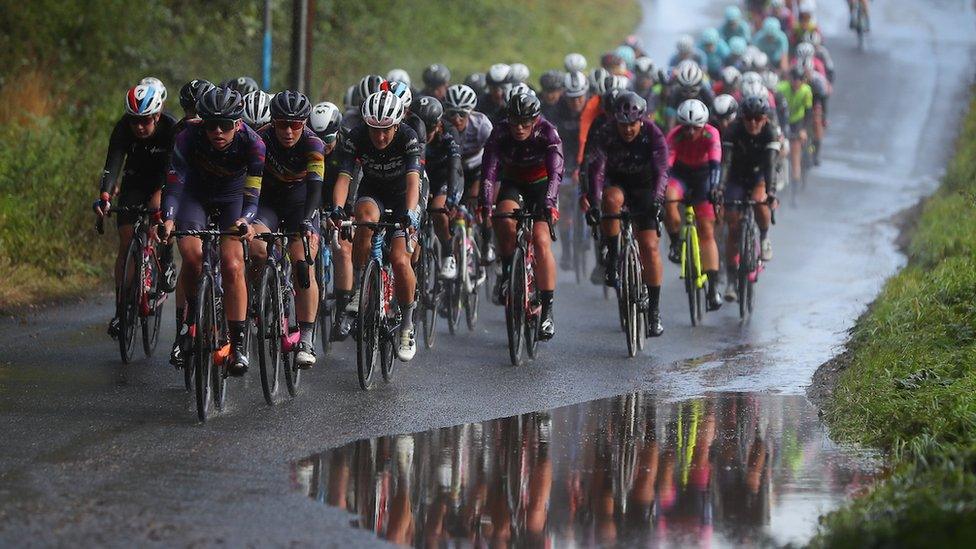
{"x": 729, "y": 468}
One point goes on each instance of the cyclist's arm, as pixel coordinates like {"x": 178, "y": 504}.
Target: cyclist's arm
{"x": 769, "y": 165}
{"x": 176, "y": 177}
{"x": 413, "y": 153}
{"x": 714, "y": 160}
{"x": 314, "y": 176}
{"x": 590, "y": 111}
{"x": 346, "y": 166}
{"x": 726, "y": 164}
{"x": 489, "y": 170}
{"x": 455, "y": 175}
{"x": 252, "y": 180}
{"x": 554, "y": 167}
{"x": 596, "y": 170}
{"x": 117, "y": 145}
{"x": 660, "y": 155}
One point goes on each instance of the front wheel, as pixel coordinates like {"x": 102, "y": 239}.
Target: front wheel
{"x": 472, "y": 272}
{"x": 367, "y": 344}
{"x": 268, "y": 332}
{"x": 204, "y": 346}
{"x": 455, "y": 288}
{"x": 430, "y": 267}
{"x": 154, "y": 299}
{"x": 629, "y": 296}
{"x": 129, "y": 296}
{"x": 515, "y": 306}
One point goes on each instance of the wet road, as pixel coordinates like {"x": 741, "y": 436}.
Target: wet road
{"x": 97, "y": 453}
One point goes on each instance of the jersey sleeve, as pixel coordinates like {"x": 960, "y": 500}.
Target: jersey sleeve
{"x": 413, "y": 152}
{"x": 176, "y": 175}
{"x": 660, "y": 155}
{"x": 596, "y": 167}
{"x": 554, "y": 165}
{"x": 347, "y": 154}
{"x": 255, "y": 172}
{"x": 489, "y": 167}
{"x": 117, "y": 145}
{"x": 314, "y": 175}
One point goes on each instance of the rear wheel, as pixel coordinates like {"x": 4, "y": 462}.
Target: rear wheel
{"x": 455, "y": 288}
{"x": 289, "y": 361}
{"x": 389, "y": 333}
{"x": 690, "y": 276}
{"x": 472, "y": 271}
{"x": 268, "y": 332}
{"x": 515, "y": 305}
{"x": 367, "y": 345}
{"x": 204, "y": 344}
{"x": 323, "y": 276}
{"x": 430, "y": 259}
{"x": 219, "y": 359}
{"x": 628, "y": 300}
{"x": 155, "y": 299}
{"x": 533, "y": 318}
{"x": 129, "y": 299}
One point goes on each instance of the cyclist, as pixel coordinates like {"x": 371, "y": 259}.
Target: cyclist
{"x": 738, "y": 48}
{"x": 474, "y": 128}
{"x": 779, "y": 10}
{"x": 687, "y": 51}
{"x": 694, "y": 158}
{"x": 492, "y": 103}
{"x": 689, "y": 83}
{"x": 368, "y": 85}
{"x": 716, "y": 51}
{"x": 553, "y": 86}
{"x": 728, "y": 81}
{"x": 574, "y": 62}
{"x": 476, "y": 81}
{"x": 723, "y": 112}
{"x": 648, "y": 84}
{"x": 216, "y": 171}
{"x": 436, "y": 80}
{"x": 864, "y": 10}
{"x": 257, "y": 109}
{"x": 189, "y": 94}
{"x": 138, "y": 150}
{"x": 632, "y": 157}
{"x": 402, "y": 90}
{"x": 750, "y": 150}
{"x": 524, "y": 156}
{"x": 520, "y": 73}
{"x": 291, "y": 192}
{"x": 735, "y": 25}
{"x": 566, "y": 118}
{"x": 799, "y": 100}
{"x": 389, "y": 155}
{"x": 401, "y": 75}
{"x": 806, "y": 24}
{"x": 772, "y": 41}
{"x": 443, "y": 167}
{"x": 242, "y": 85}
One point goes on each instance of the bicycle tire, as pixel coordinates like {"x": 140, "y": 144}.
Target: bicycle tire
{"x": 388, "y": 341}
{"x": 742, "y": 272}
{"x": 689, "y": 276}
{"x": 472, "y": 297}
{"x": 222, "y": 338}
{"x": 289, "y": 361}
{"x": 324, "y": 318}
{"x": 626, "y": 302}
{"x": 367, "y": 342}
{"x": 129, "y": 296}
{"x": 203, "y": 347}
{"x": 699, "y": 274}
{"x": 155, "y": 300}
{"x": 455, "y": 288}
{"x": 533, "y": 320}
{"x": 753, "y": 264}
{"x": 638, "y": 291}
{"x": 430, "y": 258}
{"x": 515, "y": 306}
{"x": 268, "y": 327}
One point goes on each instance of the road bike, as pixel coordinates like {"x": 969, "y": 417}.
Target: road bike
{"x": 210, "y": 348}
{"x": 632, "y": 297}
{"x": 861, "y": 24}
{"x": 749, "y": 255}
{"x": 276, "y": 330}
{"x": 429, "y": 287}
{"x": 140, "y": 297}
{"x": 691, "y": 266}
{"x": 328, "y": 314}
{"x": 523, "y": 310}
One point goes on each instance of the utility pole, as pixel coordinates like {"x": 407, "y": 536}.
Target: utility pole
{"x": 299, "y": 37}
{"x": 309, "y": 25}
{"x": 266, "y": 48}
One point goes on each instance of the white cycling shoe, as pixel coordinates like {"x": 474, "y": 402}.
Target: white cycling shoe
{"x": 449, "y": 268}
{"x": 353, "y": 306}
{"x": 767, "y": 249}
{"x": 408, "y": 346}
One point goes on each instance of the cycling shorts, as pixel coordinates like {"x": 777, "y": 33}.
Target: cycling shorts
{"x": 741, "y": 187}
{"x": 283, "y": 209}
{"x": 640, "y": 201}
{"x": 692, "y": 187}
{"x": 195, "y": 211}
{"x": 471, "y": 176}
{"x": 530, "y": 196}
{"x": 135, "y": 190}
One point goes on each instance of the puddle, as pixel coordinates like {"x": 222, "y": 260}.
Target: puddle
{"x": 724, "y": 469}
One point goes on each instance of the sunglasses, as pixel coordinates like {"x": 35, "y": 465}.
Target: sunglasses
{"x": 141, "y": 120}
{"x": 457, "y": 114}
{"x": 523, "y": 122}
{"x": 223, "y": 124}
{"x": 293, "y": 124}
{"x": 330, "y": 138}
{"x": 755, "y": 118}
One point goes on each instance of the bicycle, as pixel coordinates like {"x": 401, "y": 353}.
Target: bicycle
{"x": 140, "y": 299}
{"x": 632, "y": 294}
{"x": 328, "y": 314}
{"x": 276, "y": 328}
{"x": 473, "y": 271}
{"x": 750, "y": 263}
{"x": 861, "y": 23}
{"x": 210, "y": 349}
{"x": 691, "y": 267}
{"x": 429, "y": 287}
{"x": 378, "y": 322}
{"x": 522, "y": 308}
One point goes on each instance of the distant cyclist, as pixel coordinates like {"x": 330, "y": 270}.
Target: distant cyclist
{"x": 437, "y": 78}
{"x": 473, "y": 128}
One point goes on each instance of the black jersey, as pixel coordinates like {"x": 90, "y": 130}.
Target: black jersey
{"x": 392, "y": 163}
{"x": 140, "y": 161}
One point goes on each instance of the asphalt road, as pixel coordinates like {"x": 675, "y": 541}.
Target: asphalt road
{"x": 97, "y": 453}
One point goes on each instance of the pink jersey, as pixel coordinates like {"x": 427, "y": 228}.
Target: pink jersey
{"x": 694, "y": 153}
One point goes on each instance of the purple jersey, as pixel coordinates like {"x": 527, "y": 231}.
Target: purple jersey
{"x": 641, "y": 163}
{"x": 539, "y": 157}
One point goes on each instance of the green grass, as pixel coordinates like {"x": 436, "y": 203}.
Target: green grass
{"x": 65, "y": 65}
{"x": 911, "y": 386}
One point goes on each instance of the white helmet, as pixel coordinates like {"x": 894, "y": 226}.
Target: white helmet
{"x": 257, "y": 109}
{"x": 598, "y": 80}
{"x": 731, "y": 76}
{"x": 759, "y": 61}
{"x": 751, "y": 76}
{"x": 153, "y": 81}
{"x": 383, "y": 109}
{"x": 517, "y": 89}
{"x": 498, "y": 74}
{"x": 520, "y": 73}
{"x": 460, "y": 98}
{"x": 689, "y": 74}
{"x": 143, "y": 100}
{"x": 349, "y": 98}
{"x": 616, "y": 82}
{"x": 771, "y": 79}
{"x": 574, "y": 62}
{"x": 325, "y": 118}
{"x": 576, "y": 84}
{"x": 805, "y": 49}
{"x": 644, "y": 65}
{"x": 692, "y": 112}
{"x": 754, "y": 88}
{"x": 807, "y": 6}
{"x": 725, "y": 107}
{"x": 398, "y": 75}
{"x": 686, "y": 44}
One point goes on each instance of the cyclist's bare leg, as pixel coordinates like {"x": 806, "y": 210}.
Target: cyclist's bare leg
{"x": 366, "y": 211}
{"x": 732, "y": 221}
{"x": 232, "y": 276}
{"x": 342, "y": 265}
{"x": 505, "y": 229}
{"x": 650, "y": 254}
{"x": 306, "y": 299}
{"x": 709, "y": 249}
{"x": 763, "y": 213}
{"x": 441, "y": 225}
{"x": 545, "y": 263}
{"x": 404, "y": 280}
{"x": 796, "y": 152}
{"x": 259, "y": 254}
{"x": 191, "y": 250}
{"x": 613, "y": 201}
{"x": 672, "y": 216}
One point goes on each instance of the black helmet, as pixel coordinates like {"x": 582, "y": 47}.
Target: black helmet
{"x": 476, "y": 81}
{"x": 629, "y": 107}
{"x": 429, "y": 109}
{"x": 436, "y": 75}
{"x": 369, "y": 85}
{"x": 607, "y": 99}
{"x": 523, "y": 106}
{"x": 552, "y": 80}
{"x": 754, "y": 106}
{"x": 220, "y": 103}
{"x": 290, "y": 105}
{"x": 192, "y": 90}
{"x": 243, "y": 85}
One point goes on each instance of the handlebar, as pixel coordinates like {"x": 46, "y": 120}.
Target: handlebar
{"x": 521, "y": 214}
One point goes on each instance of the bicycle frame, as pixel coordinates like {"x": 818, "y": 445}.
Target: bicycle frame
{"x": 689, "y": 233}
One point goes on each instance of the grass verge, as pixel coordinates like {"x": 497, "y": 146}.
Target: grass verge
{"x": 64, "y": 67}
{"x": 909, "y": 386}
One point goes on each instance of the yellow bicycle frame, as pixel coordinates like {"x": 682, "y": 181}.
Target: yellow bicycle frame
{"x": 690, "y": 225}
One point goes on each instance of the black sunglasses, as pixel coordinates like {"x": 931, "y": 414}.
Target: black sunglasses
{"x": 141, "y": 120}
{"x": 225, "y": 124}
{"x": 457, "y": 114}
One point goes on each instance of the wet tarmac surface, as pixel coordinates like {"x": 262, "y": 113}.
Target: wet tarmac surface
{"x": 103, "y": 454}
{"x": 723, "y": 469}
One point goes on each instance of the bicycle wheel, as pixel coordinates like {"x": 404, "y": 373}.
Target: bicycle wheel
{"x": 289, "y": 361}
{"x": 323, "y": 277}
{"x": 627, "y": 300}
{"x": 368, "y": 341}
{"x": 688, "y": 273}
{"x": 204, "y": 344}
{"x": 430, "y": 258}
{"x": 220, "y": 355}
{"x": 130, "y": 294}
{"x": 533, "y": 316}
{"x": 388, "y": 341}
{"x": 753, "y": 265}
{"x": 268, "y": 332}
{"x": 515, "y": 307}
{"x": 699, "y": 275}
{"x": 742, "y": 273}
{"x": 154, "y": 304}
{"x": 472, "y": 272}
{"x": 455, "y": 288}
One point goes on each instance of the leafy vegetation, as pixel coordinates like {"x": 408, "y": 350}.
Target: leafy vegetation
{"x": 911, "y": 385}
{"x": 65, "y": 65}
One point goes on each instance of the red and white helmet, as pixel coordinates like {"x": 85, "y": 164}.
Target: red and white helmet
{"x": 144, "y": 100}
{"x": 383, "y": 109}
